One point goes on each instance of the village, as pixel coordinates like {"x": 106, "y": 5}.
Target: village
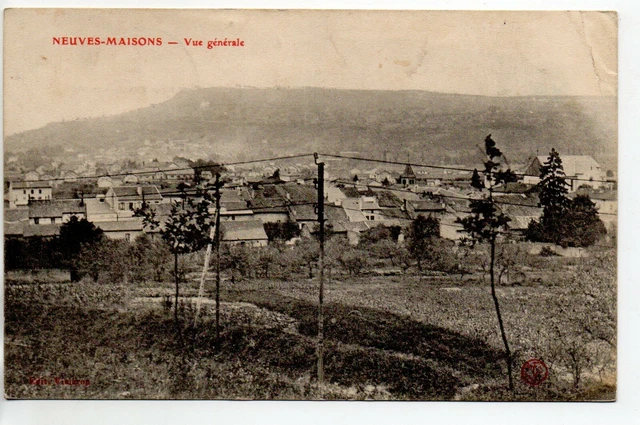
{"x": 38, "y": 202}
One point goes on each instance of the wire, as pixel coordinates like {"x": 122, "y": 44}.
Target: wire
{"x": 444, "y": 167}
{"x": 438, "y": 167}
{"x": 191, "y": 193}
{"x": 373, "y": 188}
{"x": 279, "y": 158}
{"x": 162, "y": 170}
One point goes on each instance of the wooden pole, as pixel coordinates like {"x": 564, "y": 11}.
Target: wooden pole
{"x": 205, "y": 268}
{"x": 217, "y": 243}
{"x": 321, "y": 266}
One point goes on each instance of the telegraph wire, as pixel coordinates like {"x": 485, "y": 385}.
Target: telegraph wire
{"x": 444, "y": 167}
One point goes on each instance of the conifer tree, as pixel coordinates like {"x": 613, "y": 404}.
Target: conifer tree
{"x": 563, "y": 222}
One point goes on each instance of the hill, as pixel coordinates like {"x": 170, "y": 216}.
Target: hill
{"x": 421, "y": 125}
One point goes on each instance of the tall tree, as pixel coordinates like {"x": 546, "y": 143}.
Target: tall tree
{"x": 185, "y": 230}
{"x": 74, "y": 235}
{"x": 564, "y": 221}
{"x": 583, "y": 226}
{"x": 487, "y": 222}
{"x": 421, "y": 238}
{"x": 553, "y": 185}
{"x": 283, "y": 231}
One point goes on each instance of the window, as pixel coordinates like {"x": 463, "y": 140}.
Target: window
{"x": 131, "y": 205}
{"x": 24, "y": 192}
{"x": 32, "y": 191}
{"x": 36, "y": 220}
{"x": 40, "y": 191}
{"x": 127, "y": 237}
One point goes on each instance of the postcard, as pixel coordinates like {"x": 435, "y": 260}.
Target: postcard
{"x": 310, "y": 205}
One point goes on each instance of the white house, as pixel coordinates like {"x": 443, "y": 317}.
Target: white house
{"x": 125, "y": 199}
{"x": 20, "y": 193}
{"x": 581, "y": 170}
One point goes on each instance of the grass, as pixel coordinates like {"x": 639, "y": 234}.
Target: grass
{"x": 396, "y": 337}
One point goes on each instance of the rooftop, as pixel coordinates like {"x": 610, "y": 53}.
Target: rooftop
{"x": 243, "y": 231}
{"x": 134, "y": 225}
{"x": 31, "y": 185}
{"x": 124, "y": 193}
{"x": 16, "y": 214}
{"x": 44, "y": 209}
{"x": 31, "y": 230}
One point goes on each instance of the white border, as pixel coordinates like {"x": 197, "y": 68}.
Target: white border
{"x": 625, "y": 410}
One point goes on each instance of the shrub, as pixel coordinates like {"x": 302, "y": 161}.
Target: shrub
{"x": 354, "y": 261}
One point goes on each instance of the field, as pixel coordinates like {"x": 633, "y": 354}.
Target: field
{"x": 387, "y": 337}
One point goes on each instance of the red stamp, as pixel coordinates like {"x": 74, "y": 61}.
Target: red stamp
{"x": 534, "y": 372}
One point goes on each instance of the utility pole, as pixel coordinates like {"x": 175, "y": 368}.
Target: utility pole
{"x": 205, "y": 268}
{"x": 217, "y": 243}
{"x": 321, "y": 266}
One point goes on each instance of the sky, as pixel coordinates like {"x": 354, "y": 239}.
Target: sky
{"x": 480, "y": 53}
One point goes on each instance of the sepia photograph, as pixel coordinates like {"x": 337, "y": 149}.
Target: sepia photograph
{"x": 310, "y": 205}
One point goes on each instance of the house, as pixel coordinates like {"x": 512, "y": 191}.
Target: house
{"x": 129, "y": 198}
{"x": 353, "y": 210}
{"x": 392, "y": 208}
{"x": 334, "y": 195}
{"x": 249, "y": 233}
{"x": 148, "y": 174}
{"x": 56, "y": 211}
{"x": 11, "y": 176}
{"x": 99, "y": 210}
{"x": 370, "y": 208}
{"x": 69, "y": 176}
{"x": 174, "y": 172}
{"x": 41, "y": 230}
{"x": 130, "y": 179}
{"x": 521, "y": 212}
{"x": 306, "y": 215}
{"x": 14, "y": 221}
{"x": 580, "y": 170}
{"x": 351, "y": 230}
{"x": 382, "y": 176}
{"x": 105, "y": 181}
{"x": 31, "y": 176}
{"x": 48, "y": 178}
{"x": 122, "y": 229}
{"x": 365, "y": 208}
{"x": 233, "y": 207}
{"x": 268, "y": 205}
{"x": 21, "y": 193}
{"x": 114, "y": 168}
{"x": 425, "y": 207}
{"x": 408, "y": 177}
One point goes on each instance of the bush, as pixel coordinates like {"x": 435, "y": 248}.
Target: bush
{"x": 354, "y": 261}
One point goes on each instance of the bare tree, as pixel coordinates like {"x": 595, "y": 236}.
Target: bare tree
{"x": 486, "y": 223}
